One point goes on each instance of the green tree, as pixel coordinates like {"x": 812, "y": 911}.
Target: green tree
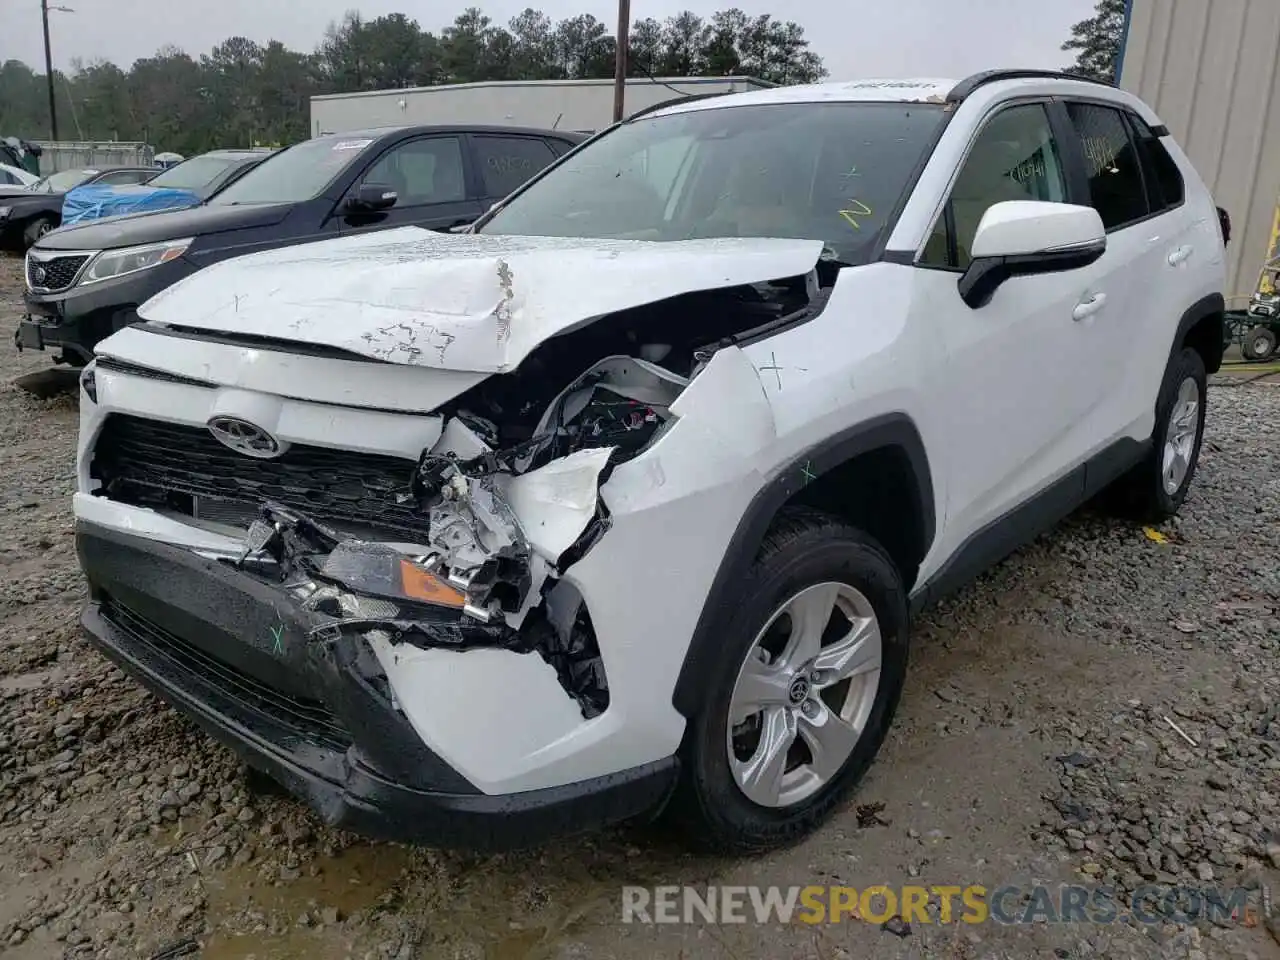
{"x": 1096, "y": 41}
{"x": 241, "y": 93}
{"x": 644, "y": 47}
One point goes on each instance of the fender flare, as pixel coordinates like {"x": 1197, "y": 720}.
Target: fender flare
{"x": 891, "y": 430}
{"x": 1208, "y": 306}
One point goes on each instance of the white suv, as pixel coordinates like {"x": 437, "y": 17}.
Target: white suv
{"x": 621, "y": 501}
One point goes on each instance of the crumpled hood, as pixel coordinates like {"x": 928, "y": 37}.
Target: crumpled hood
{"x": 457, "y": 301}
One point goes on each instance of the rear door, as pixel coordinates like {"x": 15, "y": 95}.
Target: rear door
{"x": 428, "y": 176}
{"x": 1138, "y": 272}
{"x": 505, "y": 162}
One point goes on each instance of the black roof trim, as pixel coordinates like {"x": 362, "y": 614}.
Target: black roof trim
{"x": 970, "y": 84}
{"x": 414, "y": 129}
{"x": 689, "y": 98}
{"x": 1160, "y": 130}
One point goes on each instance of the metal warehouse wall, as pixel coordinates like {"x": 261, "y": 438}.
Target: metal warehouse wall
{"x": 1209, "y": 69}
{"x": 567, "y": 105}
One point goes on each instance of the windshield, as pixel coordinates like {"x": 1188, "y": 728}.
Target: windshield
{"x": 194, "y": 174}
{"x": 62, "y": 180}
{"x": 822, "y": 171}
{"x": 299, "y": 173}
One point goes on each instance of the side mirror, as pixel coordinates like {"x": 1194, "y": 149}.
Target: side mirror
{"x": 1021, "y": 238}
{"x": 371, "y": 197}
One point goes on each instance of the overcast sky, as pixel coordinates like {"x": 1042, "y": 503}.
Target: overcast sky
{"x": 857, "y": 38}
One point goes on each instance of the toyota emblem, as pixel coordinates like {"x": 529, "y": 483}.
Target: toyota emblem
{"x": 244, "y": 437}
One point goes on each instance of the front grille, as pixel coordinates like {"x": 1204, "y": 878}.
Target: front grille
{"x": 56, "y": 273}
{"x": 149, "y": 463}
{"x": 309, "y": 719}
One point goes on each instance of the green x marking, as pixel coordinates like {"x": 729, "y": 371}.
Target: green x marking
{"x": 807, "y": 471}
{"x": 278, "y": 634}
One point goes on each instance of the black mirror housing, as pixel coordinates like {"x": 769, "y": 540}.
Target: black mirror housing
{"x": 986, "y": 274}
{"x": 371, "y": 197}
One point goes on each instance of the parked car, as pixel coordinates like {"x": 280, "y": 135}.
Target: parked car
{"x": 86, "y": 281}
{"x": 16, "y": 177}
{"x": 184, "y": 185}
{"x": 622, "y": 501}
{"x": 28, "y": 214}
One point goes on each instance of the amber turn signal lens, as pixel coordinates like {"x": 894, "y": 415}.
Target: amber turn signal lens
{"x": 418, "y": 584}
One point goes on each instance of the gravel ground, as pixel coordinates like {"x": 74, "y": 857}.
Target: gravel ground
{"x": 1036, "y": 741}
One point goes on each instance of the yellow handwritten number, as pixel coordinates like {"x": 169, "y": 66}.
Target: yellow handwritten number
{"x": 855, "y": 210}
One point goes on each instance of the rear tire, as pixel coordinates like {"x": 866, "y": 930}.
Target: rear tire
{"x": 1155, "y": 489}
{"x": 836, "y": 706}
{"x": 1258, "y": 344}
{"x": 36, "y": 229}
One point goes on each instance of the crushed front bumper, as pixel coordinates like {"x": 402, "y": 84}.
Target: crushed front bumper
{"x": 236, "y": 654}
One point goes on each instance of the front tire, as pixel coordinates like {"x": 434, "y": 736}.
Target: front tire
{"x": 1155, "y": 489}
{"x": 36, "y": 229}
{"x": 803, "y": 690}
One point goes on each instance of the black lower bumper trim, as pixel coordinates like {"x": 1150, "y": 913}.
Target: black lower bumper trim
{"x": 234, "y": 701}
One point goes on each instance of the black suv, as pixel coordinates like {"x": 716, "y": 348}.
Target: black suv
{"x": 85, "y": 282}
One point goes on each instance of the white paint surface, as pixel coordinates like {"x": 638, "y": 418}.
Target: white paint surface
{"x": 457, "y": 302}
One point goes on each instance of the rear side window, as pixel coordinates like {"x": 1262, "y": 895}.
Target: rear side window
{"x": 1116, "y": 188}
{"x": 1164, "y": 179}
{"x": 507, "y": 162}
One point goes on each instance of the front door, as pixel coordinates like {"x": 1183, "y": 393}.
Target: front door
{"x": 429, "y": 180}
{"x": 1018, "y": 378}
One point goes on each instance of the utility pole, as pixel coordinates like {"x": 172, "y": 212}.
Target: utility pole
{"x": 48, "y": 70}
{"x": 620, "y": 61}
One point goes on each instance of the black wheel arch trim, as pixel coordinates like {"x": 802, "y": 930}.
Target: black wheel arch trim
{"x": 1213, "y": 304}
{"x": 895, "y": 430}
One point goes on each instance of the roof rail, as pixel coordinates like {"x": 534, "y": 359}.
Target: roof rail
{"x": 970, "y": 84}
{"x": 687, "y": 98}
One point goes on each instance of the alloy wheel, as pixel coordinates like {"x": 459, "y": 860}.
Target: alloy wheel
{"x": 1180, "y": 436}
{"x": 803, "y": 695}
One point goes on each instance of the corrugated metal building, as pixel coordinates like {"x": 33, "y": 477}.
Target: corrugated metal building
{"x": 585, "y": 105}
{"x": 1211, "y": 70}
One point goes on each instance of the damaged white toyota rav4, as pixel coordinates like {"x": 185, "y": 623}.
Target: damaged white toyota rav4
{"x": 620, "y": 503}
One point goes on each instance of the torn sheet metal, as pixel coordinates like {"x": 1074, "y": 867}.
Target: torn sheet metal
{"x": 556, "y": 503}
{"x": 541, "y": 495}
{"x": 469, "y": 302}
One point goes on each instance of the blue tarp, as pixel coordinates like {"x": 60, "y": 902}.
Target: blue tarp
{"x": 94, "y": 201}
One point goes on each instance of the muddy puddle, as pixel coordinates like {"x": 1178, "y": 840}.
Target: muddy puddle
{"x": 509, "y": 907}
{"x": 315, "y": 915}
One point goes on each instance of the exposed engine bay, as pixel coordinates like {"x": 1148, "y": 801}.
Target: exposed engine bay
{"x": 509, "y": 491}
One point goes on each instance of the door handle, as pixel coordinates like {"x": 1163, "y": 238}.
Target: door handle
{"x": 1087, "y": 308}
{"x": 1179, "y": 255}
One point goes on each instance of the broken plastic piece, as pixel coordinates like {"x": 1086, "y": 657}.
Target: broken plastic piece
{"x": 558, "y": 501}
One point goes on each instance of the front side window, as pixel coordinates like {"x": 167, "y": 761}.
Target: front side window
{"x": 1015, "y": 157}
{"x": 832, "y": 172}
{"x": 421, "y": 171}
{"x": 507, "y": 162}
{"x": 1116, "y": 189}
